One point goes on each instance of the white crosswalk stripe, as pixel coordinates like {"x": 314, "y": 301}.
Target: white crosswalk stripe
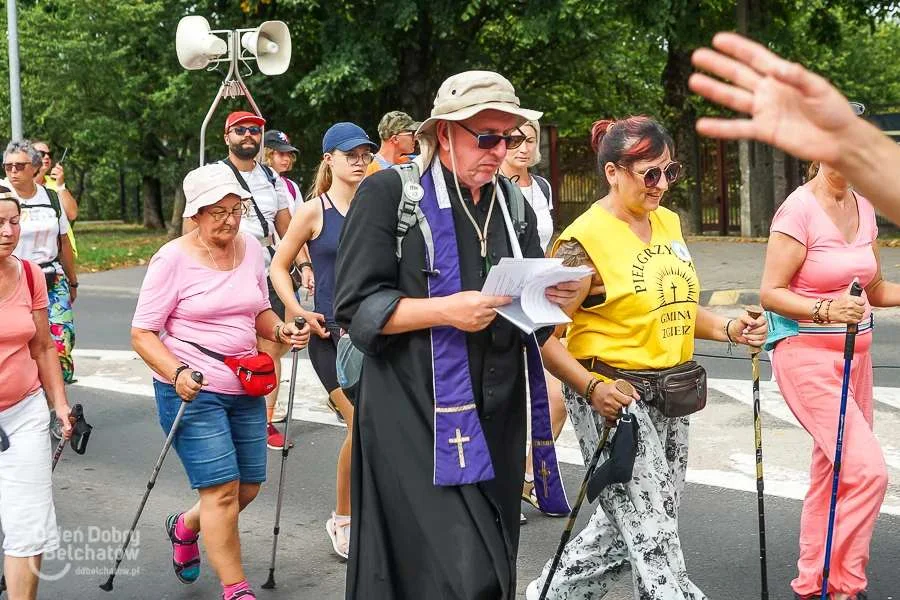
{"x": 722, "y": 451}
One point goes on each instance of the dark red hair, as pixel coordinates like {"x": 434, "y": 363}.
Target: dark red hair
{"x": 627, "y": 141}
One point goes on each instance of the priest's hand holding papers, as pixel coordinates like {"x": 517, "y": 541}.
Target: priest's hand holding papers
{"x": 526, "y": 280}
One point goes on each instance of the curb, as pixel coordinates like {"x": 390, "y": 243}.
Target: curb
{"x": 739, "y": 297}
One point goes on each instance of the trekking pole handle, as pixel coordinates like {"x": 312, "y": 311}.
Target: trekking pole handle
{"x": 299, "y": 322}
{"x": 197, "y": 376}
{"x": 755, "y": 311}
{"x": 850, "y": 341}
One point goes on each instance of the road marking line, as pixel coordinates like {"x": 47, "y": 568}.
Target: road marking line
{"x": 781, "y": 482}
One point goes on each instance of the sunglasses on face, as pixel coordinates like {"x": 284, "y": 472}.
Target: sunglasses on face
{"x": 652, "y": 175}
{"x": 45, "y": 153}
{"x": 252, "y": 130}
{"x": 486, "y": 141}
{"x": 16, "y": 166}
{"x": 220, "y": 214}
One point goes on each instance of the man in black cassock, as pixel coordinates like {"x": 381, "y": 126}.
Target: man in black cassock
{"x": 439, "y": 432}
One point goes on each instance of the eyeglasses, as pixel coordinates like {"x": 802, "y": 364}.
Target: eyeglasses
{"x": 45, "y": 153}
{"x": 486, "y": 141}
{"x": 654, "y": 174}
{"x": 252, "y": 130}
{"x": 220, "y": 214}
{"x": 354, "y": 159}
{"x": 16, "y": 166}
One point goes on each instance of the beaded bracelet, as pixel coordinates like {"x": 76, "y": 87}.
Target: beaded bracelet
{"x": 594, "y": 382}
{"x": 816, "y": 317}
{"x": 828, "y": 310}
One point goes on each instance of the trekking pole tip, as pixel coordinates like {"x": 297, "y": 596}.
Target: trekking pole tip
{"x": 108, "y": 586}
{"x": 270, "y": 582}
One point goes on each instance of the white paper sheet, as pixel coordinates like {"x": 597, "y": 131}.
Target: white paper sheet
{"x": 526, "y": 280}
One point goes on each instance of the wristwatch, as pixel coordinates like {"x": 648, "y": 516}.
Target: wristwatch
{"x": 73, "y": 284}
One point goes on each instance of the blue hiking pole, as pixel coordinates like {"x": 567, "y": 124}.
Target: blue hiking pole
{"x": 849, "y": 345}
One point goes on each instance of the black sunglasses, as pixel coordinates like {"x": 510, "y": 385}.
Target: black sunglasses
{"x": 252, "y": 130}
{"x": 652, "y": 175}
{"x": 45, "y": 153}
{"x": 486, "y": 141}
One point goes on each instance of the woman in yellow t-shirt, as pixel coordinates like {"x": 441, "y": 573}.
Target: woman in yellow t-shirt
{"x": 635, "y": 319}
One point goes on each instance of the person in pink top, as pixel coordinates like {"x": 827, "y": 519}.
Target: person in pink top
{"x": 822, "y": 239}
{"x": 29, "y": 375}
{"x": 207, "y": 291}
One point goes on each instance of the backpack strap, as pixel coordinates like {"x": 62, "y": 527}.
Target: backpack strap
{"x": 243, "y": 182}
{"x": 270, "y": 174}
{"x": 54, "y": 201}
{"x": 545, "y": 188}
{"x": 409, "y": 212}
{"x": 515, "y": 199}
{"x": 29, "y": 277}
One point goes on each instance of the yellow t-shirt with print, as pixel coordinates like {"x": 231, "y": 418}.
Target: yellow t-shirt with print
{"x": 648, "y": 318}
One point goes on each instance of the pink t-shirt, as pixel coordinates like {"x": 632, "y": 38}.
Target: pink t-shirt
{"x": 216, "y": 309}
{"x": 831, "y": 263}
{"x": 18, "y": 371}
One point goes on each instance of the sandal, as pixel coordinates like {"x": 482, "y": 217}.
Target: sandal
{"x": 338, "y": 529}
{"x": 240, "y": 594}
{"x": 528, "y": 494}
{"x": 187, "y": 572}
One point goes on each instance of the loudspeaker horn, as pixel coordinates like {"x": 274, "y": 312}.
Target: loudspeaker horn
{"x": 270, "y": 43}
{"x": 195, "y": 45}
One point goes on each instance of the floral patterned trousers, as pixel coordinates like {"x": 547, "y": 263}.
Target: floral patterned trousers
{"x": 62, "y": 325}
{"x": 635, "y": 523}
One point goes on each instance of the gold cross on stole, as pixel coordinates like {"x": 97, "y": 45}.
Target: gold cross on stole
{"x": 459, "y": 440}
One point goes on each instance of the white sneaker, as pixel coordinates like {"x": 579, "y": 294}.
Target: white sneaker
{"x": 532, "y": 592}
{"x": 338, "y": 529}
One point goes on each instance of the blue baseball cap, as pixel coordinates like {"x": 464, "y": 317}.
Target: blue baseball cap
{"x": 345, "y": 137}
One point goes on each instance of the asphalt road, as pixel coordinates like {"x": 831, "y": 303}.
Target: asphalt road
{"x": 97, "y": 494}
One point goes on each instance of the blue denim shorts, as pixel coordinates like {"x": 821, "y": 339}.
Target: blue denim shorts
{"x": 221, "y": 437}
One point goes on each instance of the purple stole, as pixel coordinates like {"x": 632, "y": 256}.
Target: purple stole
{"x": 461, "y": 455}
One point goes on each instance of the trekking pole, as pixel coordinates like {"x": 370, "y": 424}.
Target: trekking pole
{"x": 299, "y": 323}
{"x": 627, "y": 389}
{"x": 81, "y": 433}
{"x": 756, "y": 312}
{"x": 108, "y": 586}
{"x": 849, "y": 347}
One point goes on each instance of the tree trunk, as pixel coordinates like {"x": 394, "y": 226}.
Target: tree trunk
{"x": 152, "y": 195}
{"x": 757, "y": 172}
{"x": 177, "y": 210}
{"x": 675, "y": 99}
{"x": 123, "y": 199}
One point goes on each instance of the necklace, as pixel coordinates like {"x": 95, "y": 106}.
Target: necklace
{"x": 208, "y": 251}
{"x": 481, "y": 233}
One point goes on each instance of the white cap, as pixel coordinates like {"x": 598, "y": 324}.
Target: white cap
{"x": 207, "y": 185}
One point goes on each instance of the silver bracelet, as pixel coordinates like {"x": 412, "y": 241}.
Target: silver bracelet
{"x": 731, "y": 343}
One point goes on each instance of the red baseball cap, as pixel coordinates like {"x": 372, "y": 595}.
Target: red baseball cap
{"x": 242, "y": 116}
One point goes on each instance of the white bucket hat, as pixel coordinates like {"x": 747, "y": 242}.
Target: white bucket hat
{"x": 207, "y": 185}
{"x": 466, "y": 94}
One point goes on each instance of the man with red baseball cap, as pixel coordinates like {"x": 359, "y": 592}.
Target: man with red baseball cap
{"x": 269, "y": 215}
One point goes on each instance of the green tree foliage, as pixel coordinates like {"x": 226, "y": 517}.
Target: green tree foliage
{"x": 101, "y": 76}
